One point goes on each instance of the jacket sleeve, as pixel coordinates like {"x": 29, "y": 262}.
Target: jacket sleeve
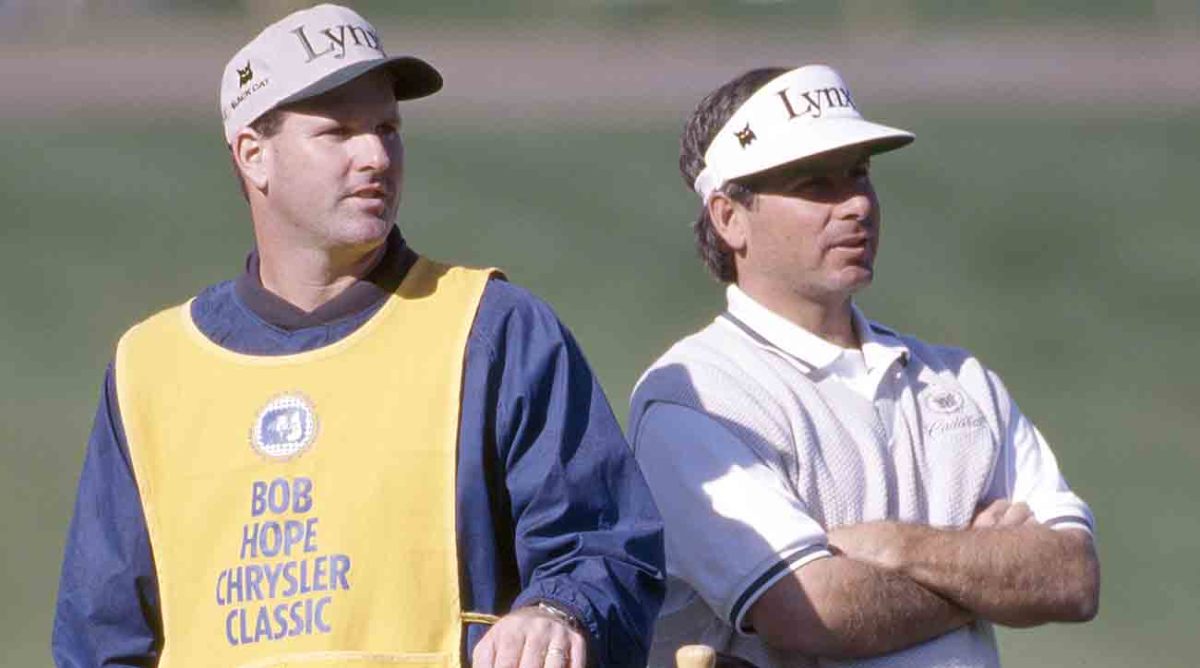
{"x": 587, "y": 535}
{"x": 107, "y": 610}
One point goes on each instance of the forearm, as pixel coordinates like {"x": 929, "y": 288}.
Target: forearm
{"x": 1012, "y": 575}
{"x": 1016, "y": 576}
{"x": 842, "y": 608}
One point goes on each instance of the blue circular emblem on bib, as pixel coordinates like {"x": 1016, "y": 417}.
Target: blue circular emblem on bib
{"x": 285, "y": 427}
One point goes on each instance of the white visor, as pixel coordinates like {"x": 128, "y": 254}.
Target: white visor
{"x": 803, "y": 113}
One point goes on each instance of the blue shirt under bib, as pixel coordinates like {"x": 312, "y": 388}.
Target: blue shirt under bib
{"x": 551, "y": 505}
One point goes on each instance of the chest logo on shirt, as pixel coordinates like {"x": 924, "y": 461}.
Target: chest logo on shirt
{"x": 942, "y": 400}
{"x": 285, "y": 427}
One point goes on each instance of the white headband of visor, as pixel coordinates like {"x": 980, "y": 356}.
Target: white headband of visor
{"x": 805, "y": 112}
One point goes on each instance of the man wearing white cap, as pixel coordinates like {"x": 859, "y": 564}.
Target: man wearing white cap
{"x": 835, "y": 493}
{"x": 351, "y": 455}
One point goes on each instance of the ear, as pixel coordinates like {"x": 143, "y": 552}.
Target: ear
{"x": 729, "y": 221}
{"x": 250, "y": 152}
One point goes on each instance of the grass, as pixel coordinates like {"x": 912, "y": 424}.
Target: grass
{"x": 1060, "y": 251}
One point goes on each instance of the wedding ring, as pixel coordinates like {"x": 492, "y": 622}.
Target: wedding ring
{"x": 558, "y": 653}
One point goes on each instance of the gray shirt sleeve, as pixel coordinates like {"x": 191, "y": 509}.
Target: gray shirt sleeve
{"x": 1027, "y": 471}
{"x": 733, "y": 526}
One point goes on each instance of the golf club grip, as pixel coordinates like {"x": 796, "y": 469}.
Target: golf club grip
{"x": 695, "y": 656}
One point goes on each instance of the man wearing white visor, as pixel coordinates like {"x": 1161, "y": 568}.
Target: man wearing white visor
{"x": 836, "y": 493}
{"x": 351, "y": 455}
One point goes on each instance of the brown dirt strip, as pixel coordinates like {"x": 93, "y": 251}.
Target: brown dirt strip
{"x": 557, "y": 73}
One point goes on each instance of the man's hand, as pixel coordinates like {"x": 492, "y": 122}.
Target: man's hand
{"x": 879, "y": 544}
{"x": 883, "y": 544}
{"x": 1006, "y": 567}
{"x": 1003, "y": 513}
{"x": 530, "y": 638}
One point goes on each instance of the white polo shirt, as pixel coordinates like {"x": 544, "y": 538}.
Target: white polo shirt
{"x": 739, "y": 516}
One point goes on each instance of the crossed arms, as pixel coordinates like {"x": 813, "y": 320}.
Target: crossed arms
{"x": 890, "y": 585}
{"x": 886, "y": 585}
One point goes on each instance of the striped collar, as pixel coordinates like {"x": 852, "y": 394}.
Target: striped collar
{"x": 880, "y": 345}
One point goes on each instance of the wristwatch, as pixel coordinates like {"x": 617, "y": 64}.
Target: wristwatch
{"x": 560, "y": 615}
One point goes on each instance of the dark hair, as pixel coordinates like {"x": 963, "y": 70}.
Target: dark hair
{"x": 710, "y": 115}
{"x": 267, "y": 125}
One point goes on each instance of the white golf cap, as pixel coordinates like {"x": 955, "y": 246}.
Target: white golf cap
{"x": 307, "y": 53}
{"x": 800, "y": 114}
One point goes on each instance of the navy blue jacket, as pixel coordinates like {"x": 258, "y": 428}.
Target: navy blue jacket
{"x": 551, "y": 505}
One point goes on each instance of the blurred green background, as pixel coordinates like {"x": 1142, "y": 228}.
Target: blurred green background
{"x": 1044, "y": 219}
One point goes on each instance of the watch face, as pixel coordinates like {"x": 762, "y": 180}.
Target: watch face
{"x": 559, "y": 614}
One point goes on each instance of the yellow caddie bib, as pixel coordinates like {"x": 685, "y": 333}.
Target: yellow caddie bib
{"x": 301, "y": 508}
